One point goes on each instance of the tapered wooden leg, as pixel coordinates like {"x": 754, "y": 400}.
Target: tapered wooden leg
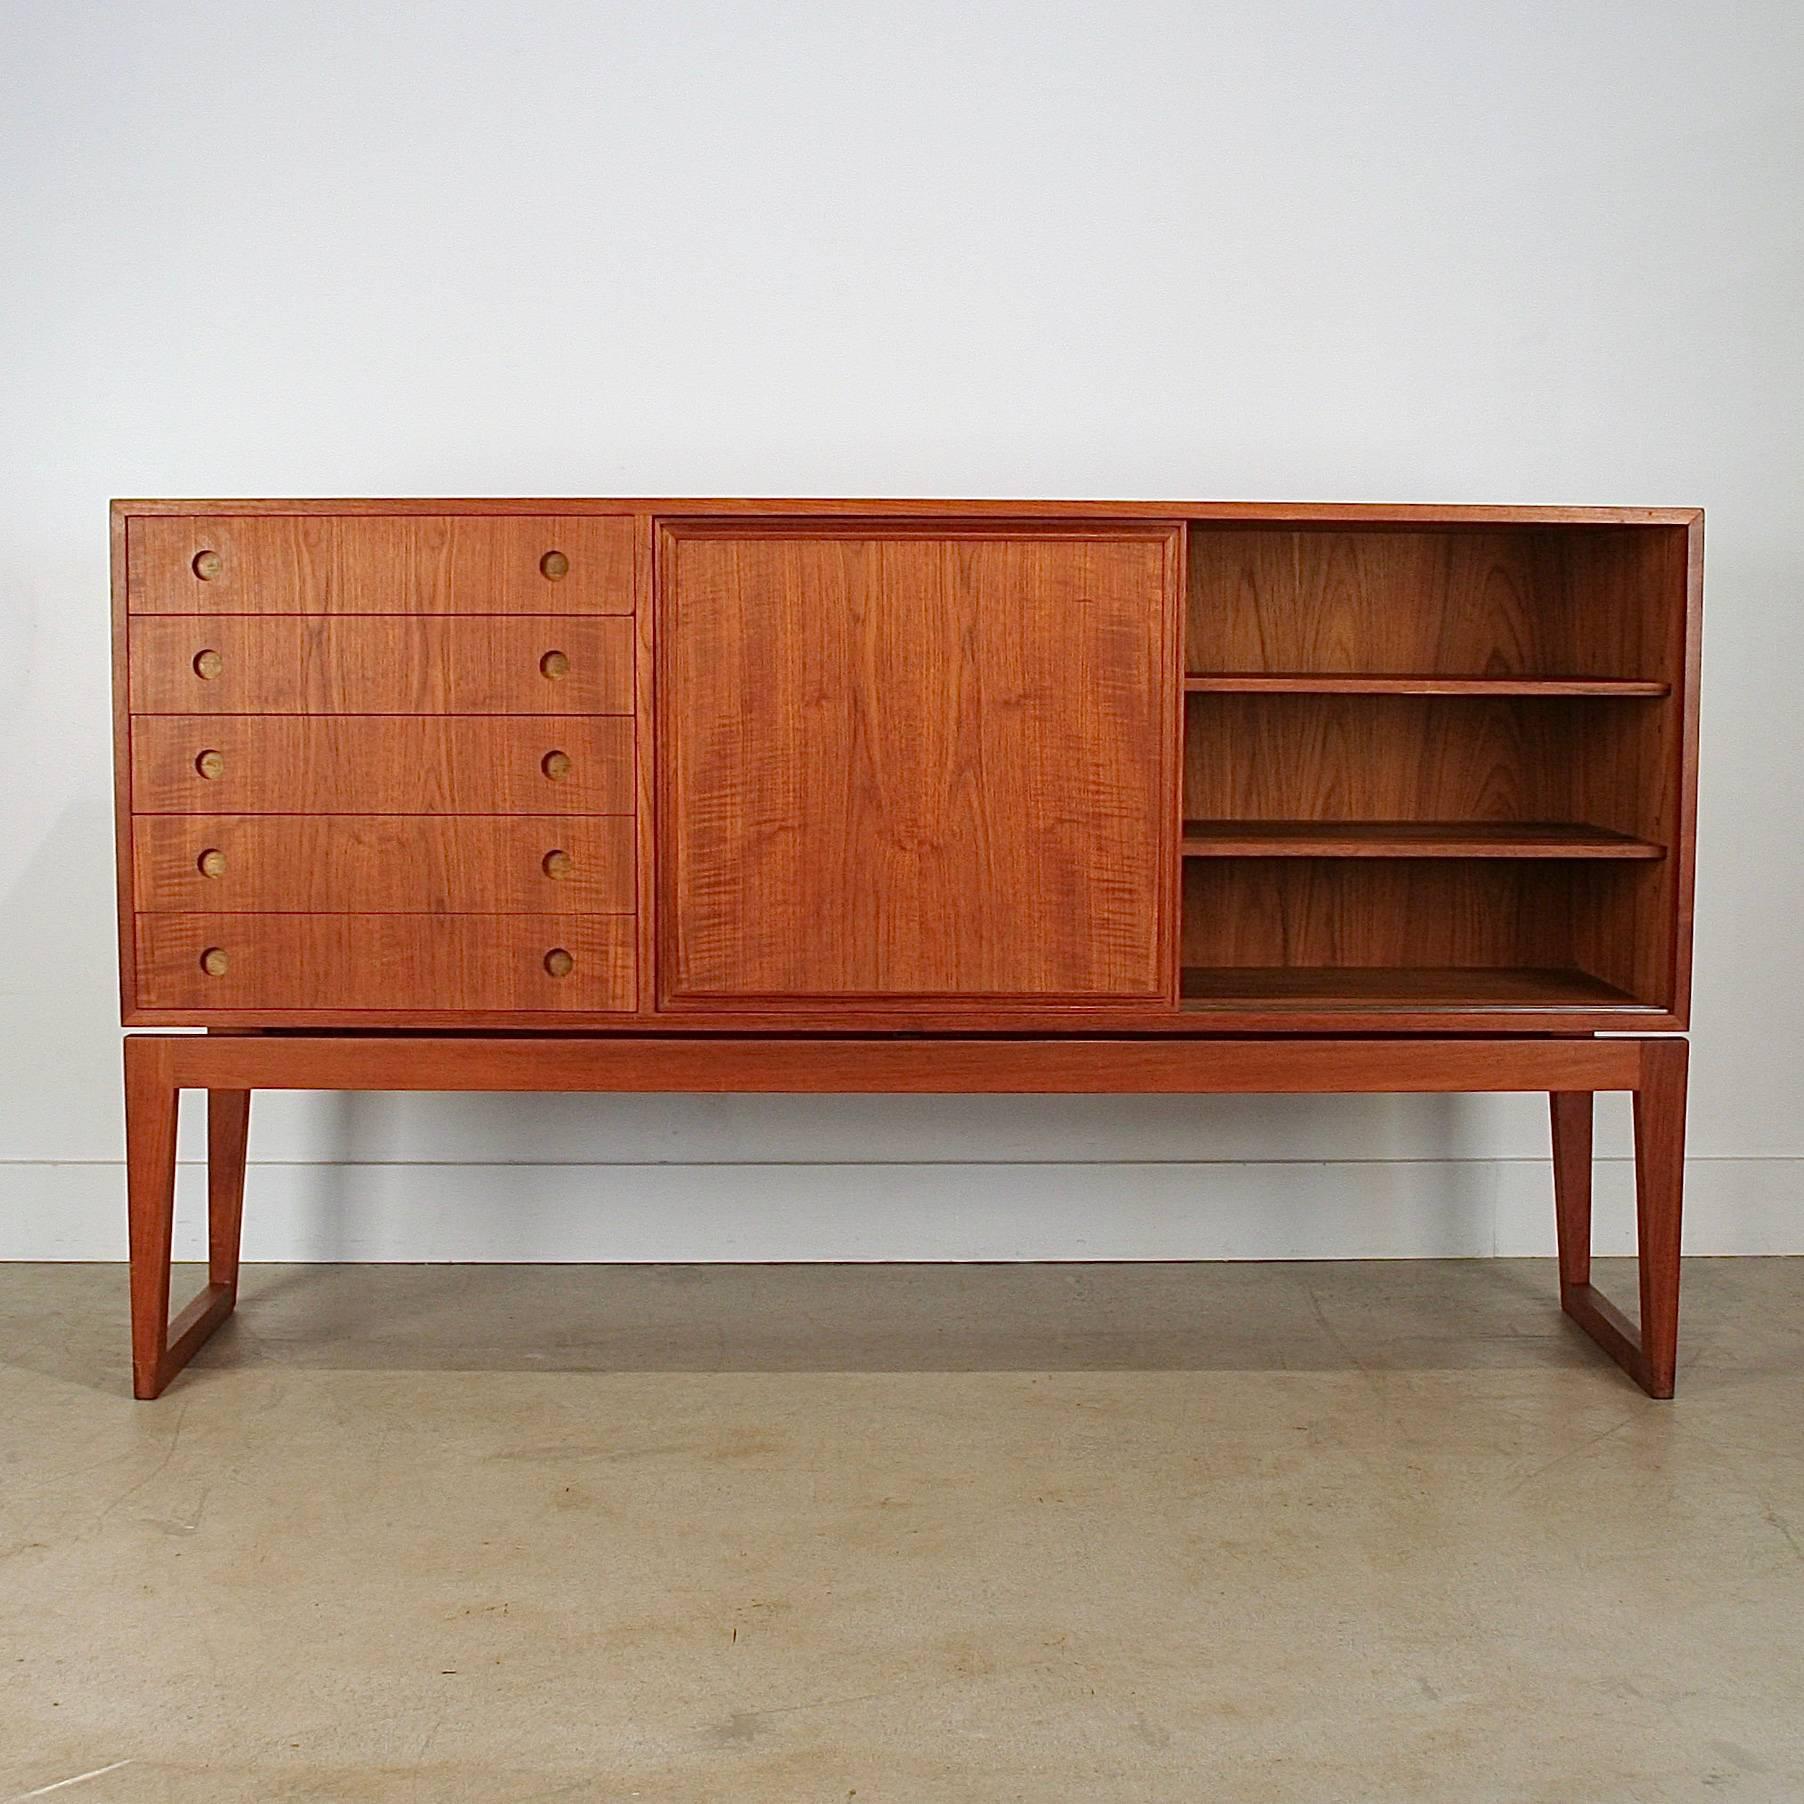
{"x": 1572, "y": 1114}
{"x": 161, "y": 1347}
{"x": 1659, "y": 1201}
{"x": 228, "y": 1137}
{"x": 151, "y": 1101}
{"x": 1649, "y": 1354}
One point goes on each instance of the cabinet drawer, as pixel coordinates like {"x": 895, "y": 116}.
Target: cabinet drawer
{"x": 351, "y": 964}
{"x": 383, "y": 864}
{"x": 380, "y": 564}
{"x": 380, "y": 764}
{"x": 380, "y": 664}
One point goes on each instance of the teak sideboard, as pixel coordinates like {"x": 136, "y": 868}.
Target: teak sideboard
{"x": 683, "y": 795}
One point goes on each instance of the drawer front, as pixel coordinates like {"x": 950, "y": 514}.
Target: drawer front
{"x": 383, "y": 864}
{"x": 380, "y": 664}
{"x": 380, "y": 764}
{"x": 346, "y": 964}
{"x": 380, "y": 564}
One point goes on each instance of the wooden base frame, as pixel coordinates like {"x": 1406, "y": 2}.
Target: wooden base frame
{"x": 158, "y": 1067}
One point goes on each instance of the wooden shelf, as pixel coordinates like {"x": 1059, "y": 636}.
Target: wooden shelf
{"x": 1335, "y": 683}
{"x": 1409, "y": 839}
{"x": 1344, "y": 987}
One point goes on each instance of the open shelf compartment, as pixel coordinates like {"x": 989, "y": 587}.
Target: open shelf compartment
{"x": 1379, "y": 607}
{"x": 1436, "y": 934}
{"x": 1432, "y": 769}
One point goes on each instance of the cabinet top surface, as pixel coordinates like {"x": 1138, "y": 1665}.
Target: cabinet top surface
{"x": 1302, "y": 513}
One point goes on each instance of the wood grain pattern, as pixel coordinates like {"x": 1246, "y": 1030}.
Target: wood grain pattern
{"x": 381, "y": 764}
{"x": 1496, "y": 604}
{"x": 1571, "y": 1115}
{"x": 914, "y": 765}
{"x": 381, "y": 664}
{"x": 1397, "y": 758}
{"x": 385, "y": 864}
{"x": 901, "y": 1064}
{"x": 150, "y": 1121}
{"x": 228, "y": 1149}
{"x": 1659, "y": 1109}
{"x": 645, "y": 796}
{"x": 353, "y": 963}
{"x": 122, "y": 771}
{"x": 1408, "y": 839}
{"x": 1363, "y": 913}
{"x": 335, "y": 561}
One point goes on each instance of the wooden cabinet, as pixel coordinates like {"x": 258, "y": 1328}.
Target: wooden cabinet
{"x": 991, "y": 766}
{"x": 744, "y": 770}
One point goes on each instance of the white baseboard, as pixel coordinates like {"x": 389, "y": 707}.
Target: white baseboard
{"x": 1391, "y": 1209}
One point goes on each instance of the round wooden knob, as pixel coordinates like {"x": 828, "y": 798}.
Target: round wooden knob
{"x": 207, "y": 665}
{"x": 559, "y": 962}
{"x": 214, "y": 961}
{"x": 556, "y": 864}
{"x": 554, "y": 666}
{"x": 555, "y": 765}
{"x": 212, "y": 862}
{"x": 554, "y": 565}
{"x": 207, "y": 565}
{"x": 210, "y": 764}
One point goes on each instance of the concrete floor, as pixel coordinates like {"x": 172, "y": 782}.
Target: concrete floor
{"x": 912, "y": 1534}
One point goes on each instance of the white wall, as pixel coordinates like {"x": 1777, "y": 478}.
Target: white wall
{"x": 1506, "y": 251}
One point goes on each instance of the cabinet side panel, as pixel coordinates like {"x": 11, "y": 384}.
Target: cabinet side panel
{"x": 118, "y": 562}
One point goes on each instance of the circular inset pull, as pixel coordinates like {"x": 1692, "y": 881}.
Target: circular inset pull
{"x": 214, "y": 961}
{"x": 555, "y": 765}
{"x": 212, "y": 862}
{"x": 554, "y": 666}
{"x": 207, "y": 665}
{"x": 207, "y": 565}
{"x": 554, "y": 565}
{"x": 556, "y": 864}
{"x": 210, "y": 764}
{"x": 559, "y": 962}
